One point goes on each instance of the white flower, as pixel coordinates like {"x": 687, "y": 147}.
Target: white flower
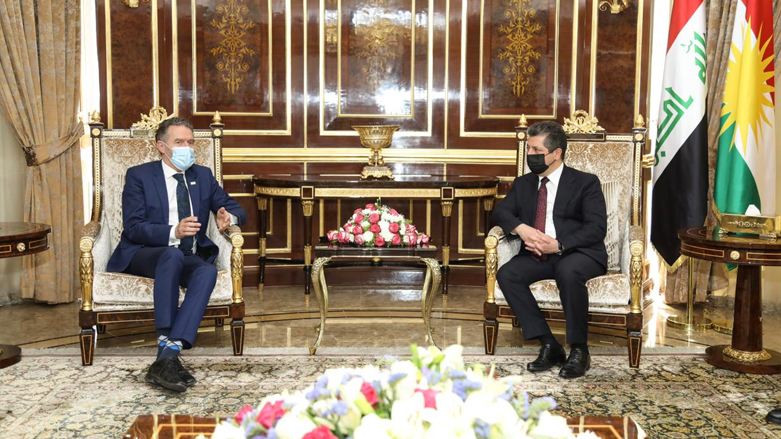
{"x": 368, "y": 236}
{"x": 384, "y": 227}
{"x": 387, "y": 236}
{"x": 404, "y": 388}
{"x": 294, "y": 425}
{"x": 497, "y": 413}
{"x": 226, "y": 430}
{"x": 374, "y": 427}
{"x": 349, "y": 422}
{"x": 366, "y": 224}
{"x": 551, "y": 427}
{"x": 453, "y": 359}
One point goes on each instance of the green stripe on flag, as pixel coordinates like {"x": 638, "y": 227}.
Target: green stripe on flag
{"x": 735, "y": 188}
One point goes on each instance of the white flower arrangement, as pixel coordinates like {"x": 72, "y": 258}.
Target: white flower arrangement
{"x": 432, "y": 395}
{"x": 378, "y": 225}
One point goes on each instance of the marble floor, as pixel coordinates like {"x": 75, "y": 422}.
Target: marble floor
{"x": 358, "y": 318}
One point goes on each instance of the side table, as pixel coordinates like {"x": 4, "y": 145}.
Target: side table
{"x": 335, "y": 255}
{"x": 20, "y": 239}
{"x": 745, "y": 354}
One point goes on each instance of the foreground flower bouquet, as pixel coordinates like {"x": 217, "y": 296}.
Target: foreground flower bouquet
{"x": 432, "y": 395}
{"x": 377, "y": 225}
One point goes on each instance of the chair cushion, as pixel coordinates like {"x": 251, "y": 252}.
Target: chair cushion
{"x": 609, "y": 294}
{"x": 613, "y": 237}
{"x": 126, "y": 292}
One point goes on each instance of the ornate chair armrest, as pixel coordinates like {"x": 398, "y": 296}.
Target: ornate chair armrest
{"x": 491, "y": 262}
{"x": 497, "y": 232}
{"x": 637, "y": 249}
{"x": 89, "y": 233}
{"x": 233, "y": 233}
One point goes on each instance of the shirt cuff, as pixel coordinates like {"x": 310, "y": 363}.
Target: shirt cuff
{"x": 172, "y": 241}
{"x": 234, "y": 219}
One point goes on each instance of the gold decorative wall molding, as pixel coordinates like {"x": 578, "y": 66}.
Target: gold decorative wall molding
{"x": 582, "y": 123}
{"x": 519, "y": 53}
{"x": 381, "y": 45}
{"x": 615, "y": 6}
{"x": 232, "y": 48}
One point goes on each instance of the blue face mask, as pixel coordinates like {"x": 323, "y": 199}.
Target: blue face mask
{"x": 182, "y": 157}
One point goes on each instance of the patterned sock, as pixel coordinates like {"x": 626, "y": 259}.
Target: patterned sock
{"x": 172, "y": 348}
{"x": 161, "y": 342}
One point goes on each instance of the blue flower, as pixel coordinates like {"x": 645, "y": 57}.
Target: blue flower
{"x": 482, "y": 429}
{"x": 431, "y": 376}
{"x": 272, "y": 434}
{"x": 526, "y": 406}
{"x": 461, "y": 387}
{"x": 322, "y": 382}
{"x": 340, "y": 408}
{"x": 456, "y": 374}
{"x": 395, "y": 377}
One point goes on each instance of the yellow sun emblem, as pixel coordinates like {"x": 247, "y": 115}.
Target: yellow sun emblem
{"x": 746, "y": 92}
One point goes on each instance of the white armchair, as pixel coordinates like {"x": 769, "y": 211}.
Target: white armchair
{"x": 118, "y": 297}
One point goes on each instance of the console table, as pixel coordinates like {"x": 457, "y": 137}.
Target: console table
{"x": 309, "y": 188}
{"x": 745, "y": 354}
{"x": 20, "y": 239}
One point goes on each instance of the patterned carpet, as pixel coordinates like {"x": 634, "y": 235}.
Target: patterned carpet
{"x": 670, "y": 396}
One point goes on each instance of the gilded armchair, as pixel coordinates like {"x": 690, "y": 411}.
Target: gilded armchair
{"x": 615, "y": 299}
{"x": 108, "y": 298}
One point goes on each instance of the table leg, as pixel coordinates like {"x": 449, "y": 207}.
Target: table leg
{"x": 430, "y": 286}
{"x": 321, "y": 292}
{"x": 308, "y": 206}
{"x": 746, "y": 354}
{"x": 447, "y": 211}
{"x": 262, "y": 225}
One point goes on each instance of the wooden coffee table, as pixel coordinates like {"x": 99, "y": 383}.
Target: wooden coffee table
{"x": 20, "y": 239}
{"x": 185, "y": 426}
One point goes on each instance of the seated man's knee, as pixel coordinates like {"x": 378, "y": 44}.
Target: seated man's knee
{"x": 570, "y": 275}
{"x": 507, "y": 276}
{"x": 172, "y": 255}
{"x": 207, "y": 272}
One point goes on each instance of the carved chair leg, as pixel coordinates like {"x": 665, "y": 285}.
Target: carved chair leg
{"x": 634, "y": 339}
{"x": 87, "y": 339}
{"x": 490, "y": 332}
{"x": 101, "y": 329}
{"x": 219, "y": 322}
{"x": 237, "y": 336}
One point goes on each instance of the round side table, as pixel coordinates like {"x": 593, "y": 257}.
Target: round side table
{"x": 746, "y": 353}
{"x": 20, "y": 239}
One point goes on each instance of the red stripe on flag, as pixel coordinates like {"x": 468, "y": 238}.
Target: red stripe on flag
{"x": 682, "y": 12}
{"x": 760, "y": 14}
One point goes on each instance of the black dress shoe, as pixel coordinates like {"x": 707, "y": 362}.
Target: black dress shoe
{"x": 774, "y": 416}
{"x": 165, "y": 372}
{"x": 577, "y": 364}
{"x": 185, "y": 374}
{"x": 550, "y": 356}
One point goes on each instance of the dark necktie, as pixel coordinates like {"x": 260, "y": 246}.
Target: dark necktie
{"x": 183, "y": 204}
{"x": 542, "y": 210}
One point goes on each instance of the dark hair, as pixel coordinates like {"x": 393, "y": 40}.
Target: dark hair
{"x": 555, "y": 137}
{"x": 162, "y": 129}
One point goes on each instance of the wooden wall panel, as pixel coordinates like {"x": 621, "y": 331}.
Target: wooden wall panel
{"x": 291, "y": 78}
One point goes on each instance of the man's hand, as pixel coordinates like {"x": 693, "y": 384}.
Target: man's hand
{"x": 536, "y": 241}
{"x": 187, "y": 227}
{"x": 223, "y": 219}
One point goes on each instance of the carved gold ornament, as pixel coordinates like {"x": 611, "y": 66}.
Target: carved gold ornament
{"x": 150, "y": 122}
{"x": 380, "y": 43}
{"x": 616, "y": 6}
{"x": 519, "y": 53}
{"x": 133, "y": 3}
{"x": 20, "y": 247}
{"x": 95, "y": 117}
{"x": 217, "y": 118}
{"x": 232, "y": 26}
{"x": 582, "y": 123}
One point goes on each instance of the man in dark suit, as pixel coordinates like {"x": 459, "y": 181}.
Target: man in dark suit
{"x": 165, "y": 210}
{"x": 559, "y": 214}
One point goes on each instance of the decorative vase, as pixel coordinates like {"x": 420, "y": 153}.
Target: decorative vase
{"x": 376, "y": 137}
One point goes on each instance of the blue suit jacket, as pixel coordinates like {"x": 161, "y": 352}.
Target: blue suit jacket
{"x": 145, "y": 211}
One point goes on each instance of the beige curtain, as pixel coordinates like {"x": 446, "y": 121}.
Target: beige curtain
{"x": 39, "y": 95}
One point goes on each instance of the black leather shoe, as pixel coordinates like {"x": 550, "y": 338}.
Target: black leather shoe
{"x": 774, "y": 416}
{"x": 550, "y": 356}
{"x": 577, "y": 364}
{"x": 165, "y": 372}
{"x": 185, "y": 374}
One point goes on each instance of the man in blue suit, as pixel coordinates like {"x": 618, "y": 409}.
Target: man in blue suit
{"x": 165, "y": 209}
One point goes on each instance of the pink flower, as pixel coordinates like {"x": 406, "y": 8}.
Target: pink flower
{"x": 357, "y": 230}
{"x": 379, "y": 241}
{"x": 394, "y": 227}
{"x": 375, "y": 228}
{"x": 246, "y": 410}
{"x": 411, "y": 229}
{"x": 430, "y": 397}
{"x": 332, "y": 235}
{"x": 424, "y": 238}
{"x": 396, "y": 240}
{"x": 370, "y": 394}
{"x": 393, "y": 212}
{"x": 357, "y": 211}
{"x": 359, "y": 239}
{"x": 343, "y": 237}
{"x": 321, "y": 432}
{"x": 358, "y": 218}
{"x": 370, "y": 206}
{"x": 373, "y": 218}
{"x": 412, "y": 239}
{"x": 270, "y": 413}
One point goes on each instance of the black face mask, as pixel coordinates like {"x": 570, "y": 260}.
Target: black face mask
{"x": 537, "y": 163}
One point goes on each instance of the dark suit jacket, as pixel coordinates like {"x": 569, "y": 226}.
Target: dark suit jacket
{"x": 145, "y": 211}
{"x": 579, "y": 212}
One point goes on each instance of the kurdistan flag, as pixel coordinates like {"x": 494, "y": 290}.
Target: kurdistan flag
{"x": 745, "y": 170}
{"x": 680, "y": 174}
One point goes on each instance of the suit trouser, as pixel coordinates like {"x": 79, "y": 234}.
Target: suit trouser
{"x": 170, "y": 268}
{"x": 570, "y": 271}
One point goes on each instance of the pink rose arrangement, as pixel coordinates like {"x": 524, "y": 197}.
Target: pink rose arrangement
{"x": 378, "y": 225}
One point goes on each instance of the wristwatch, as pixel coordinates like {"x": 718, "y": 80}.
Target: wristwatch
{"x": 561, "y": 249}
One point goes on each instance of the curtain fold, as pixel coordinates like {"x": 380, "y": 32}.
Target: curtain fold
{"x": 39, "y": 95}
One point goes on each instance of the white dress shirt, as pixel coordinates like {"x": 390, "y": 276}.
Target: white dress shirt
{"x": 173, "y": 204}
{"x": 553, "y": 187}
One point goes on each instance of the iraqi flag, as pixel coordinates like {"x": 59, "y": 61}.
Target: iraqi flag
{"x": 746, "y": 166}
{"x": 680, "y": 173}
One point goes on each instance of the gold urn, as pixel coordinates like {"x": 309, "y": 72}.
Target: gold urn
{"x": 376, "y": 137}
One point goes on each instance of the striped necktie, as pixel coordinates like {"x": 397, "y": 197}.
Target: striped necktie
{"x": 183, "y": 205}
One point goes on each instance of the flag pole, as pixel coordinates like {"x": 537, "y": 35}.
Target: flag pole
{"x": 690, "y": 322}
